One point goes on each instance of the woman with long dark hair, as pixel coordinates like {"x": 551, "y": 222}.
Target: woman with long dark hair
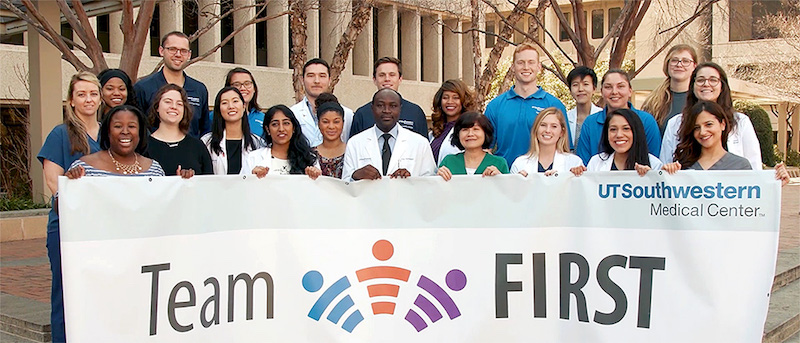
{"x": 709, "y": 82}
{"x": 704, "y": 140}
{"x": 230, "y": 140}
{"x": 243, "y": 80}
{"x": 623, "y": 146}
{"x": 287, "y": 151}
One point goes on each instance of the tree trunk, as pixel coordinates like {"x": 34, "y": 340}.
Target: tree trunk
{"x": 297, "y": 27}
{"x": 533, "y": 31}
{"x": 362, "y": 12}
{"x": 629, "y": 27}
{"x": 134, "y": 35}
{"x": 477, "y": 15}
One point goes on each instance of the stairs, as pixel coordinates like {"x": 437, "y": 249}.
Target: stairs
{"x": 783, "y": 319}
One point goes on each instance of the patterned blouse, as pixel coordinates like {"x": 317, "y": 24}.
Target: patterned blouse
{"x": 330, "y": 166}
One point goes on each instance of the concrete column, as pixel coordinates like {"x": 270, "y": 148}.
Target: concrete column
{"x": 467, "y": 56}
{"x": 170, "y": 16}
{"x": 44, "y": 61}
{"x": 796, "y": 128}
{"x": 333, "y": 15}
{"x": 211, "y": 38}
{"x": 451, "y": 44}
{"x": 431, "y": 65}
{"x": 277, "y": 36}
{"x": 362, "y": 51}
{"x": 244, "y": 42}
{"x": 312, "y": 33}
{"x": 387, "y": 31}
{"x": 115, "y": 38}
{"x": 783, "y": 110}
{"x": 411, "y": 43}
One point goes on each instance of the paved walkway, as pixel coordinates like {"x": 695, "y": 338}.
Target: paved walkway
{"x": 25, "y": 270}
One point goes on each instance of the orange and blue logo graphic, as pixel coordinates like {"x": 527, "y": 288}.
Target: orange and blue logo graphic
{"x": 389, "y": 280}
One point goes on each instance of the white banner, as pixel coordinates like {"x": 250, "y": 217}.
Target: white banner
{"x": 606, "y": 257}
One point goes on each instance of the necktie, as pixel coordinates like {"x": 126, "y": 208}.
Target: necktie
{"x": 386, "y": 153}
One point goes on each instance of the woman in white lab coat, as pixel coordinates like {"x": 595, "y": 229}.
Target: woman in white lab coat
{"x": 549, "y": 152}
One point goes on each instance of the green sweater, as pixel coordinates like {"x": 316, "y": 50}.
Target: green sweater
{"x": 457, "y": 166}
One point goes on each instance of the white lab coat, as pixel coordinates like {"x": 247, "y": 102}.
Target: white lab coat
{"x": 261, "y": 158}
{"x": 447, "y": 148}
{"x": 561, "y": 163}
{"x": 411, "y": 151}
{"x": 741, "y": 142}
{"x": 572, "y": 116}
{"x": 220, "y": 161}
{"x": 602, "y": 162}
{"x": 311, "y": 129}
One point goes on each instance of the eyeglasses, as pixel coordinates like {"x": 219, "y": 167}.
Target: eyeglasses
{"x": 681, "y": 61}
{"x": 246, "y": 84}
{"x": 711, "y": 81}
{"x": 173, "y": 50}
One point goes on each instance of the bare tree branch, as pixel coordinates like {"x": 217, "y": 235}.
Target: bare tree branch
{"x": 43, "y": 27}
{"x": 298, "y": 25}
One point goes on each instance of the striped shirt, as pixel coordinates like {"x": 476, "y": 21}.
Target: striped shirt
{"x": 154, "y": 170}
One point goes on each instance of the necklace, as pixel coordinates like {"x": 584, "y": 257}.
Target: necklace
{"x": 126, "y": 168}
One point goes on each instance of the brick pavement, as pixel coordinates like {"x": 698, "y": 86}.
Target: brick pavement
{"x": 25, "y": 271}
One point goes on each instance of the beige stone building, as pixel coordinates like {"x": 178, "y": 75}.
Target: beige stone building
{"x": 419, "y": 32}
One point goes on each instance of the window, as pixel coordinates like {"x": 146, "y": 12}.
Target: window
{"x": 613, "y": 15}
{"x": 227, "y": 28}
{"x": 490, "y": 38}
{"x": 155, "y": 28}
{"x": 190, "y": 24}
{"x": 66, "y": 31}
{"x": 103, "y": 32}
{"x": 597, "y": 24}
{"x": 562, "y": 32}
{"x": 15, "y": 39}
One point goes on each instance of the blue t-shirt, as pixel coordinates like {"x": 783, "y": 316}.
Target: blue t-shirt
{"x": 255, "y": 118}
{"x": 411, "y": 117}
{"x": 57, "y": 149}
{"x": 196, "y": 92}
{"x": 512, "y": 117}
{"x": 592, "y": 131}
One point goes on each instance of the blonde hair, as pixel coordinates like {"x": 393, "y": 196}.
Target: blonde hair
{"x": 76, "y": 130}
{"x": 561, "y": 145}
{"x": 659, "y": 101}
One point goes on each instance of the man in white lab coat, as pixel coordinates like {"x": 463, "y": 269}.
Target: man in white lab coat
{"x": 316, "y": 80}
{"x": 387, "y": 149}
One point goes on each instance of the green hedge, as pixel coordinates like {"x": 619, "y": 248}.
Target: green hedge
{"x": 763, "y": 128}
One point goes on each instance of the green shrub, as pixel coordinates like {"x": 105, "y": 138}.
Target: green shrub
{"x": 18, "y": 203}
{"x": 793, "y": 158}
{"x": 763, "y": 128}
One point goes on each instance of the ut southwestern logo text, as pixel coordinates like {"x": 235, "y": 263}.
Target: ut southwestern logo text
{"x": 383, "y": 284}
{"x": 660, "y": 190}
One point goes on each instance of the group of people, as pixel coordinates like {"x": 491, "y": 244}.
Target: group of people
{"x": 161, "y": 125}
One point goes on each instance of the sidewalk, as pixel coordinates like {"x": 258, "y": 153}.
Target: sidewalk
{"x": 25, "y": 270}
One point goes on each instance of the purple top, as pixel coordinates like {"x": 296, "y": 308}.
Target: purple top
{"x": 436, "y": 143}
